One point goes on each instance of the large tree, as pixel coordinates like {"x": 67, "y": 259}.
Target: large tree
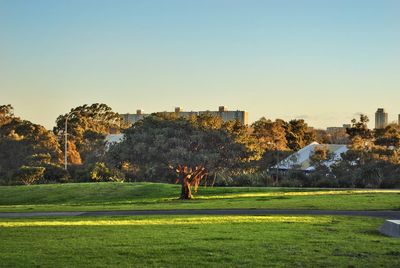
{"x": 6, "y": 114}
{"x": 24, "y": 144}
{"x": 298, "y": 134}
{"x": 388, "y": 137}
{"x": 193, "y": 148}
{"x": 270, "y": 135}
{"x": 87, "y": 127}
{"x": 360, "y": 128}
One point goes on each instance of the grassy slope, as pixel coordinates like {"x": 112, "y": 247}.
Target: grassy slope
{"x": 110, "y": 196}
{"x": 222, "y": 241}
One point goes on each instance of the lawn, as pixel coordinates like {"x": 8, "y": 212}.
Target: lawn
{"x": 193, "y": 241}
{"x": 140, "y": 196}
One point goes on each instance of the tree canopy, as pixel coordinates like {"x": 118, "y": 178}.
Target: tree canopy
{"x": 298, "y": 134}
{"x": 270, "y": 135}
{"x": 24, "y": 144}
{"x": 87, "y": 127}
{"x": 6, "y": 114}
{"x": 192, "y": 147}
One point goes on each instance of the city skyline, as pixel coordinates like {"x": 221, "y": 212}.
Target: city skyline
{"x": 323, "y": 62}
{"x": 392, "y": 118}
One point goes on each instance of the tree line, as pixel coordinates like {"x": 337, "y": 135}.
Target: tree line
{"x": 164, "y": 147}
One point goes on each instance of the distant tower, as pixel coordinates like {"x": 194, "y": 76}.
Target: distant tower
{"x": 381, "y": 118}
{"x": 399, "y": 120}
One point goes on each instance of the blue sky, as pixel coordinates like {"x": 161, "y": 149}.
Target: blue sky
{"x": 324, "y": 61}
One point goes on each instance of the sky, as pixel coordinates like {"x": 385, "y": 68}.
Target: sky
{"x": 324, "y": 61}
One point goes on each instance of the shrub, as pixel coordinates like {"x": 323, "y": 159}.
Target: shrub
{"x": 55, "y": 173}
{"x": 29, "y": 175}
{"x": 100, "y": 172}
{"x": 290, "y": 183}
{"x": 327, "y": 183}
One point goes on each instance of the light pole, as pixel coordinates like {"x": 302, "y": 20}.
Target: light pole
{"x": 277, "y": 163}
{"x": 66, "y": 140}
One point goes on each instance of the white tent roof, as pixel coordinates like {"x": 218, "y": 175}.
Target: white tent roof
{"x": 300, "y": 160}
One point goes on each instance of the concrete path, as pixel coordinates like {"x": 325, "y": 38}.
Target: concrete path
{"x": 387, "y": 214}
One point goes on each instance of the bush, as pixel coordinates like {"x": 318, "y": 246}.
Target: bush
{"x": 100, "y": 172}
{"x": 79, "y": 173}
{"x": 327, "y": 183}
{"x": 222, "y": 180}
{"x": 55, "y": 173}
{"x": 290, "y": 183}
{"x": 29, "y": 175}
{"x": 243, "y": 179}
{"x": 390, "y": 183}
{"x": 346, "y": 182}
{"x": 304, "y": 179}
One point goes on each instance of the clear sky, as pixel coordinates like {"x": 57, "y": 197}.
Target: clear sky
{"x": 321, "y": 60}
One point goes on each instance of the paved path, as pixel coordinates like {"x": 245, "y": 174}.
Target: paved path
{"x": 388, "y": 214}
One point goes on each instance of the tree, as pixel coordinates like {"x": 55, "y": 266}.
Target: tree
{"x": 298, "y": 134}
{"x": 6, "y": 114}
{"x": 192, "y": 148}
{"x": 270, "y": 135}
{"x": 320, "y": 155}
{"x": 332, "y": 137}
{"x": 241, "y": 135}
{"x": 389, "y": 136}
{"x": 360, "y": 128}
{"x": 87, "y": 127}
{"x": 189, "y": 177}
{"x": 23, "y": 143}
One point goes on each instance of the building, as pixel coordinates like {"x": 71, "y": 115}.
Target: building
{"x": 381, "y": 118}
{"x": 241, "y": 116}
{"x": 223, "y": 113}
{"x": 130, "y": 119}
{"x": 337, "y": 130}
{"x": 301, "y": 161}
{"x": 398, "y": 122}
{"x": 332, "y": 130}
{"x": 179, "y": 111}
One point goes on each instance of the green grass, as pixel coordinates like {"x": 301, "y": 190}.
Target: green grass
{"x": 193, "y": 241}
{"x": 197, "y": 241}
{"x": 125, "y": 196}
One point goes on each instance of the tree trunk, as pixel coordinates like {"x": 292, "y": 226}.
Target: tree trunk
{"x": 189, "y": 177}
{"x": 215, "y": 177}
{"x": 186, "y": 192}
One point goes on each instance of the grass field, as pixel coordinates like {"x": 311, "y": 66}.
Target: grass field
{"x": 125, "y": 196}
{"x": 192, "y": 241}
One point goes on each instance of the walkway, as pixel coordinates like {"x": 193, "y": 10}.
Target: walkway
{"x": 388, "y": 214}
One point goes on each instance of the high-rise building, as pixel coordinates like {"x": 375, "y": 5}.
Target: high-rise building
{"x": 399, "y": 120}
{"x": 381, "y": 118}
